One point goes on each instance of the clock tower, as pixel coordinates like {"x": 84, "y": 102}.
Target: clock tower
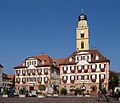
{"x": 82, "y": 33}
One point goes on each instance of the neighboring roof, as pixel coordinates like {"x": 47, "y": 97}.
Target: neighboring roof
{"x": 93, "y": 53}
{"x": 1, "y": 66}
{"x": 8, "y": 76}
{"x": 11, "y": 76}
{"x": 58, "y": 61}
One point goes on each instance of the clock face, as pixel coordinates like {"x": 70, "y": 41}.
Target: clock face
{"x": 82, "y": 32}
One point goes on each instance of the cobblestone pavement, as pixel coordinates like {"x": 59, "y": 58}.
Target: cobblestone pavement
{"x": 54, "y": 100}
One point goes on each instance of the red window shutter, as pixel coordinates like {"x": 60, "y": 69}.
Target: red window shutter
{"x": 66, "y": 68}
{"x": 104, "y": 65}
{"x": 95, "y": 76}
{"x": 88, "y": 66}
{"x": 74, "y": 67}
{"x": 99, "y": 65}
{"x": 95, "y": 66}
{"x": 63, "y": 68}
{"x": 104, "y": 76}
{"x": 91, "y": 66}
{"x": 87, "y": 77}
{"x": 70, "y": 68}
{"x": 66, "y": 77}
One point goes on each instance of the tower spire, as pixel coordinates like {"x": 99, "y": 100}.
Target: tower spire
{"x": 82, "y": 11}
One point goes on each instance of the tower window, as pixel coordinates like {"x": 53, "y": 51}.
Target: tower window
{"x": 82, "y": 45}
{"x": 82, "y": 35}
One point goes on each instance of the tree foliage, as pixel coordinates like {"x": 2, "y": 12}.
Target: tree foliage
{"x": 113, "y": 80}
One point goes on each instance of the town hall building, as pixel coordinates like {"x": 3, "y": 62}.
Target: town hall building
{"x": 85, "y": 68}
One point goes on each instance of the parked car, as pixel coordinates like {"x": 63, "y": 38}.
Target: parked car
{"x": 16, "y": 94}
{"x": 31, "y": 94}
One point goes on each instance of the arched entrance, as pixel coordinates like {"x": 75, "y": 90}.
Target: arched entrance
{"x": 93, "y": 89}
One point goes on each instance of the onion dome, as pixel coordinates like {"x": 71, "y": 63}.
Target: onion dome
{"x": 82, "y": 17}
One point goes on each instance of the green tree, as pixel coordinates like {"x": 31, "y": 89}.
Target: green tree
{"x": 113, "y": 80}
{"x": 63, "y": 91}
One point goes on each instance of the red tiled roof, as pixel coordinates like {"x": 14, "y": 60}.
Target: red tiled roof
{"x": 58, "y": 61}
{"x": 8, "y": 76}
{"x": 93, "y": 55}
{"x": 45, "y": 57}
{"x": 11, "y": 76}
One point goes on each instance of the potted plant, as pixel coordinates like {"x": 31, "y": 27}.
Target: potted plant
{"x": 87, "y": 94}
{"x": 78, "y": 92}
{"x": 41, "y": 91}
{"x": 5, "y": 92}
{"x": 63, "y": 91}
{"x": 22, "y": 92}
{"x": 56, "y": 92}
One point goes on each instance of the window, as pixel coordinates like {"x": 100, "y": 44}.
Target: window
{"x": 65, "y": 69}
{"x": 46, "y": 70}
{"x": 86, "y": 77}
{"x": 86, "y": 66}
{"x": 43, "y": 62}
{"x": 39, "y": 79}
{"x": 34, "y": 63}
{"x": 64, "y": 78}
{"x": 102, "y": 76}
{"x": 72, "y": 77}
{"x": 79, "y": 67}
{"x": 79, "y": 77}
{"x": 39, "y": 71}
{"x": 28, "y": 63}
{"x": 82, "y": 45}
{"x": 82, "y": 35}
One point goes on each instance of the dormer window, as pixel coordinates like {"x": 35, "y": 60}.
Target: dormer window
{"x": 97, "y": 57}
{"x": 34, "y": 63}
{"x": 28, "y": 63}
{"x": 43, "y": 62}
{"x": 70, "y": 59}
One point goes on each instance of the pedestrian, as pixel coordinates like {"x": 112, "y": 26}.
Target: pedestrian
{"x": 99, "y": 95}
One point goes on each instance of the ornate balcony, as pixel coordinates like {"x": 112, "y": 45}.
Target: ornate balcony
{"x": 65, "y": 71}
{"x": 79, "y": 71}
{"x": 64, "y": 81}
{"x": 93, "y": 80}
{"x": 93, "y": 70}
{"x": 102, "y": 69}
{"x": 72, "y": 81}
{"x": 86, "y": 70}
{"x": 102, "y": 80}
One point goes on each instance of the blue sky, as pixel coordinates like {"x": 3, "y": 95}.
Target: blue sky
{"x": 31, "y": 27}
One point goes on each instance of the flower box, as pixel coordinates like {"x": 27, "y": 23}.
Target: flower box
{"x": 87, "y": 95}
{"x": 55, "y": 95}
{"x": 79, "y": 95}
{"x": 22, "y": 95}
{"x": 4, "y": 95}
{"x": 41, "y": 96}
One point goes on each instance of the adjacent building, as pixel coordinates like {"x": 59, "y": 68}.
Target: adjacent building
{"x": 37, "y": 70}
{"x": 8, "y": 80}
{"x": 1, "y": 83}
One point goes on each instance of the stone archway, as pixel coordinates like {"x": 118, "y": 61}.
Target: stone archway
{"x": 93, "y": 89}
